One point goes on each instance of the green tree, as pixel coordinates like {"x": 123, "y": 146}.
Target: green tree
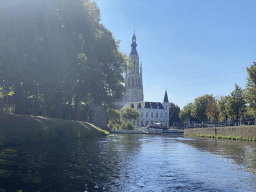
{"x": 129, "y": 113}
{"x": 199, "y": 108}
{"x": 185, "y": 113}
{"x": 174, "y": 111}
{"x": 113, "y": 115}
{"x": 249, "y": 112}
{"x": 221, "y": 104}
{"x": 57, "y": 52}
{"x": 250, "y": 90}
{"x": 236, "y": 103}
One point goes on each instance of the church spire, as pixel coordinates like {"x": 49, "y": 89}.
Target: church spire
{"x": 166, "y": 97}
{"x": 134, "y": 45}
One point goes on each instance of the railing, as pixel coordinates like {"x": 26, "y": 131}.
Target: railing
{"x": 231, "y": 122}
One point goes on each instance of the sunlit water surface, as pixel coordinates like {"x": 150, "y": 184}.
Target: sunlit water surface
{"x": 130, "y": 163}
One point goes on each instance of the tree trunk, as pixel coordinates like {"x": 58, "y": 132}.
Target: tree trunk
{"x": 44, "y": 112}
{"x": 18, "y": 96}
{"x": 7, "y": 104}
{"x": 77, "y": 109}
{"x": 59, "y": 106}
{"x": 68, "y": 111}
{"x": 35, "y": 105}
{"x": 49, "y": 112}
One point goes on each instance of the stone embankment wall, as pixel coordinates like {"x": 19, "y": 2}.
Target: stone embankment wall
{"x": 242, "y": 131}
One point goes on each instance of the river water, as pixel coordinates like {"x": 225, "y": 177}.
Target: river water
{"x": 130, "y": 163}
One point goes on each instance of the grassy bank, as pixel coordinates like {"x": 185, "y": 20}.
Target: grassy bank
{"x": 231, "y": 137}
{"x": 16, "y": 129}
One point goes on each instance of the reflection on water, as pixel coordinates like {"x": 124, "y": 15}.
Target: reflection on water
{"x": 130, "y": 163}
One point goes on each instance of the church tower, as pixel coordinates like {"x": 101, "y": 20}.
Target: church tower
{"x": 133, "y": 77}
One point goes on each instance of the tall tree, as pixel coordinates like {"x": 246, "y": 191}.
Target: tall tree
{"x": 250, "y": 90}
{"x": 174, "y": 111}
{"x": 222, "y": 108}
{"x": 57, "y": 52}
{"x": 212, "y": 109}
{"x": 185, "y": 113}
{"x": 236, "y": 103}
{"x": 199, "y": 108}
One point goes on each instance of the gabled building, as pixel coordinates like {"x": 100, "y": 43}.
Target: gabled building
{"x": 151, "y": 113}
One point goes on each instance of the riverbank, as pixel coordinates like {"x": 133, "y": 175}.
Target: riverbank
{"x": 17, "y": 129}
{"x": 234, "y": 132}
{"x": 231, "y": 137}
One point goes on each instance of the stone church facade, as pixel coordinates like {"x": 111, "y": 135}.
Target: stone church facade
{"x": 151, "y": 113}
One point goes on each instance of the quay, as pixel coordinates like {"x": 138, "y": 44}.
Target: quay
{"x": 149, "y": 131}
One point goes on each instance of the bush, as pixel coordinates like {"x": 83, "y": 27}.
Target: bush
{"x": 116, "y": 126}
{"x": 110, "y": 125}
{"x": 113, "y": 125}
{"x": 126, "y": 126}
{"x": 219, "y": 137}
{"x": 129, "y": 126}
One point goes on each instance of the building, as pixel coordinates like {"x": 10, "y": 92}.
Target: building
{"x": 151, "y": 113}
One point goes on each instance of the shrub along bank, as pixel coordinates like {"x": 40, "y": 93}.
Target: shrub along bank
{"x": 17, "y": 129}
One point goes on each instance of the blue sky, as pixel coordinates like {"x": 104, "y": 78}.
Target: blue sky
{"x": 189, "y": 47}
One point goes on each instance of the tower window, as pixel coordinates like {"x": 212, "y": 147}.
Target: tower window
{"x": 156, "y": 115}
{"x": 151, "y": 114}
{"x": 146, "y": 114}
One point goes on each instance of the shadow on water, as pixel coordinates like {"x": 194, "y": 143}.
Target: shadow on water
{"x": 55, "y": 166}
{"x": 73, "y": 165}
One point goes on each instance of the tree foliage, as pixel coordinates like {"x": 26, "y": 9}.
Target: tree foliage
{"x": 185, "y": 113}
{"x": 56, "y": 53}
{"x": 203, "y": 107}
{"x": 129, "y": 113}
{"x": 174, "y": 111}
{"x": 198, "y": 110}
{"x": 236, "y": 103}
{"x": 113, "y": 115}
{"x": 221, "y": 104}
{"x": 250, "y": 91}
{"x": 212, "y": 109}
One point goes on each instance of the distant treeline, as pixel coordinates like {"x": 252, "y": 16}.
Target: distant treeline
{"x": 240, "y": 105}
{"x": 55, "y": 54}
